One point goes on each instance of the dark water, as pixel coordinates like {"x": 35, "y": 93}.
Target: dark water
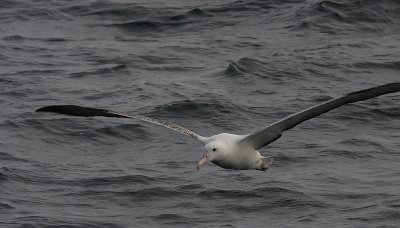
{"x": 212, "y": 66}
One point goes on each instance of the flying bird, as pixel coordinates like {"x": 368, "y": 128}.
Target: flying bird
{"x": 236, "y": 151}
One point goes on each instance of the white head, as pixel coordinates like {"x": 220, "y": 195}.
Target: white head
{"x": 214, "y": 151}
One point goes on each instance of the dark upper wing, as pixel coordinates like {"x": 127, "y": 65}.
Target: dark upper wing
{"x": 74, "y": 110}
{"x": 271, "y": 133}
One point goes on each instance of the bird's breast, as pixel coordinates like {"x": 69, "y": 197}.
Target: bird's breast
{"x": 240, "y": 159}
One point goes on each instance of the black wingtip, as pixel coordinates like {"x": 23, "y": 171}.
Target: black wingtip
{"x": 377, "y": 91}
{"x": 46, "y": 109}
{"x": 75, "y": 110}
{"x": 62, "y": 109}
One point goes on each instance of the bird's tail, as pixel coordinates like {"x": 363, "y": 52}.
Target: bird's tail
{"x": 265, "y": 162}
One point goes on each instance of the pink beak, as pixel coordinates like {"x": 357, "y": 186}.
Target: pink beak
{"x": 204, "y": 160}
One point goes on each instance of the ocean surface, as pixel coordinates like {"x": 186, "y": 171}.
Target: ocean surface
{"x": 212, "y": 66}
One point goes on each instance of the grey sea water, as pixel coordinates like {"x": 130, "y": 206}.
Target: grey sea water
{"x": 211, "y": 66}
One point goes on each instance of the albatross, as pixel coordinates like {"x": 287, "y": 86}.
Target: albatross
{"x": 231, "y": 151}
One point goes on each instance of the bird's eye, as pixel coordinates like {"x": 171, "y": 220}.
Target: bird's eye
{"x": 214, "y": 149}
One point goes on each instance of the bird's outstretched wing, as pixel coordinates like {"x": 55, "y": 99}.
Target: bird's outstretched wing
{"x": 74, "y": 110}
{"x": 272, "y": 132}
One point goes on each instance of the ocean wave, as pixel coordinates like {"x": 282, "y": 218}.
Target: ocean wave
{"x": 215, "y": 110}
{"x": 10, "y": 81}
{"x": 360, "y": 142}
{"x": 138, "y": 195}
{"x": 108, "y": 11}
{"x": 394, "y": 65}
{"x": 45, "y": 13}
{"x": 282, "y": 160}
{"x": 110, "y": 181}
{"x": 356, "y": 196}
{"x": 369, "y": 113}
{"x": 117, "y": 11}
{"x": 190, "y": 187}
{"x": 170, "y": 216}
{"x": 15, "y": 174}
{"x": 176, "y": 220}
{"x": 136, "y": 18}
{"x": 35, "y": 177}
{"x": 5, "y": 205}
{"x": 171, "y": 164}
{"x": 152, "y": 59}
{"x": 196, "y": 108}
{"x": 357, "y": 11}
{"x": 393, "y": 203}
{"x": 388, "y": 112}
{"x": 243, "y": 66}
{"x": 104, "y": 70}
{"x": 23, "y": 38}
{"x": 123, "y": 131}
{"x": 345, "y": 153}
{"x": 280, "y": 197}
{"x": 3, "y": 176}
{"x": 254, "y": 6}
{"x": 274, "y": 198}
{"x": 141, "y": 19}
{"x": 236, "y": 194}
{"x": 189, "y": 106}
{"x": 46, "y": 222}
{"x": 247, "y": 68}
{"x": 346, "y": 16}
{"x": 194, "y": 13}
{"x": 149, "y": 25}
{"x": 8, "y": 157}
{"x": 385, "y": 215}
{"x": 22, "y": 92}
{"x": 74, "y": 128}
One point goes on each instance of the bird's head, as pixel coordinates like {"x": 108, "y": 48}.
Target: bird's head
{"x": 214, "y": 151}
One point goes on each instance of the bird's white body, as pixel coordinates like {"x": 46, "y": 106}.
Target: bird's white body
{"x": 231, "y": 153}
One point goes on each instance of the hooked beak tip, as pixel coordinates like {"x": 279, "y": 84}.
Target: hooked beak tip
{"x": 203, "y": 161}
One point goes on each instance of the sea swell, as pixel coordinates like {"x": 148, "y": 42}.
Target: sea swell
{"x": 210, "y": 66}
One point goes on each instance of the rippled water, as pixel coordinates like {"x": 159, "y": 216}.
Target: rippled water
{"x": 212, "y": 66}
